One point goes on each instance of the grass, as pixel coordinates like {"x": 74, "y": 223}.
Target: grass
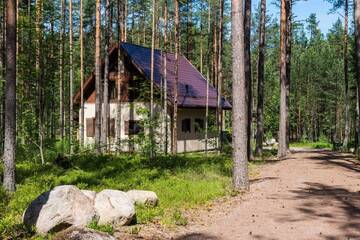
{"x": 314, "y": 145}
{"x": 181, "y": 182}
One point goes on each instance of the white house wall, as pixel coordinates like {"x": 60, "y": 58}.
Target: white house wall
{"x": 187, "y": 142}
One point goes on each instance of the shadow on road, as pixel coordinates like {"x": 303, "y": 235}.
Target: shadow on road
{"x": 197, "y": 236}
{"x": 343, "y": 160}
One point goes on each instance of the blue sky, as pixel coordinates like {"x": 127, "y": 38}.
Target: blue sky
{"x": 303, "y": 9}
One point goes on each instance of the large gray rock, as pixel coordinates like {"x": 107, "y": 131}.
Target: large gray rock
{"x": 60, "y": 208}
{"x": 75, "y": 233}
{"x": 89, "y": 194}
{"x": 148, "y": 198}
{"x": 114, "y": 207}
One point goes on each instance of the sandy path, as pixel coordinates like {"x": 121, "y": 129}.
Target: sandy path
{"x": 313, "y": 194}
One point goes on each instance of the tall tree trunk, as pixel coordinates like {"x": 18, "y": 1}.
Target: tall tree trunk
{"x": 98, "y": 78}
{"x": 282, "y": 149}
{"x": 71, "y": 80}
{"x": 201, "y": 42}
{"x": 165, "y": 77}
{"x": 10, "y": 98}
{"x": 152, "y": 80}
{"x": 215, "y": 52}
{"x": 61, "y": 74}
{"x": 105, "y": 107}
{"x": 346, "y": 77}
{"x": 175, "y": 90}
{"x": 125, "y": 19}
{"x": 120, "y": 72}
{"x": 207, "y": 77}
{"x": 240, "y": 105}
{"x": 261, "y": 69}
{"x": 220, "y": 75}
{"x": 82, "y": 112}
{"x": 357, "y": 55}
{"x": 39, "y": 77}
{"x": 247, "y": 29}
{"x": 288, "y": 65}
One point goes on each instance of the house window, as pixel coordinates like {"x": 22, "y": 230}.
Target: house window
{"x": 112, "y": 127}
{"x": 112, "y": 90}
{"x": 186, "y": 125}
{"x": 133, "y": 127}
{"x": 90, "y": 127}
{"x": 199, "y": 125}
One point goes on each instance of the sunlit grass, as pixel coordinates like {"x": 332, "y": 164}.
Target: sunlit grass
{"x": 181, "y": 182}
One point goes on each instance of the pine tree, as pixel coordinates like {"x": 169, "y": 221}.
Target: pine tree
{"x": 10, "y": 98}
{"x": 282, "y": 149}
{"x": 240, "y": 98}
{"x": 98, "y": 104}
{"x": 175, "y": 90}
{"x": 260, "y": 73}
{"x": 82, "y": 112}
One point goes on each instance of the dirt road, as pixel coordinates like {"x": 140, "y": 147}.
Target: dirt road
{"x": 313, "y": 194}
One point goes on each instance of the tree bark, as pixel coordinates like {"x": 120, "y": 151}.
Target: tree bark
{"x": 121, "y": 71}
{"x": 61, "y": 74}
{"x": 357, "y": 58}
{"x": 105, "y": 107}
{"x": 71, "y": 80}
{"x": 282, "y": 149}
{"x": 240, "y": 104}
{"x": 288, "y": 65}
{"x": 261, "y": 69}
{"x": 247, "y": 36}
{"x": 82, "y": 112}
{"x": 165, "y": 77}
{"x": 220, "y": 75}
{"x": 346, "y": 77}
{"x": 152, "y": 80}
{"x": 175, "y": 90}
{"x": 39, "y": 77}
{"x": 10, "y": 98}
{"x": 98, "y": 78}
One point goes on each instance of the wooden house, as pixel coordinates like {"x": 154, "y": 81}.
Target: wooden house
{"x": 135, "y": 81}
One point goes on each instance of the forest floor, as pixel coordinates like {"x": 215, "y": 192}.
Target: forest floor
{"x": 313, "y": 194}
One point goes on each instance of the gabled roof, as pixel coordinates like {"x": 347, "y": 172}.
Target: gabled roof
{"x": 191, "y": 85}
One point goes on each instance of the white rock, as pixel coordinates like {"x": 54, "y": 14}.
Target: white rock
{"x": 148, "y": 198}
{"x": 89, "y": 194}
{"x": 114, "y": 207}
{"x": 75, "y": 233}
{"x": 60, "y": 208}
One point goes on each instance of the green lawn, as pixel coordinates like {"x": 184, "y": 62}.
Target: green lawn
{"x": 314, "y": 145}
{"x": 180, "y": 182}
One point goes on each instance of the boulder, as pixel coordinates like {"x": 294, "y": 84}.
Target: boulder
{"x": 89, "y": 194}
{"x": 114, "y": 207}
{"x": 148, "y": 198}
{"x": 75, "y": 233}
{"x": 60, "y": 208}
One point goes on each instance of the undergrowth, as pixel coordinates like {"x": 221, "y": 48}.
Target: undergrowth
{"x": 181, "y": 182}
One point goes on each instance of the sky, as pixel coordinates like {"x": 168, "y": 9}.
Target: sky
{"x": 303, "y": 9}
